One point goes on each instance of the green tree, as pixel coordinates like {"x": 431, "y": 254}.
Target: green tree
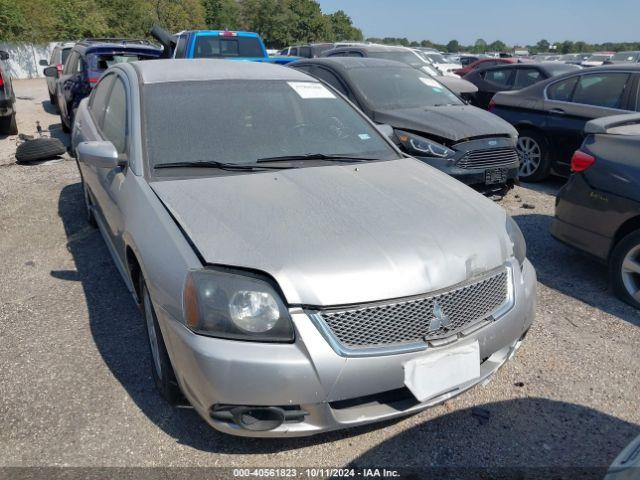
{"x": 497, "y": 46}
{"x": 453, "y": 46}
{"x": 342, "y": 27}
{"x": 13, "y": 24}
{"x": 480, "y": 46}
{"x": 542, "y": 46}
{"x": 221, "y": 14}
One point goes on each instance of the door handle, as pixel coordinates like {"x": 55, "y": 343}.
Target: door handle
{"x": 557, "y": 111}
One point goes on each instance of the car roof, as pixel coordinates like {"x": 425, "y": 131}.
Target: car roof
{"x": 371, "y": 48}
{"x": 343, "y": 64}
{"x": 193, "y": 70}
{"x": 238, "y": 33}
{"x": 87, "y": 45}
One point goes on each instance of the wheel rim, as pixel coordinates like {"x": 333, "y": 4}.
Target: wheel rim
{"x": 530, "y": 155}
{"x": 153, "y": 337}
{"x": 631, "y": 273}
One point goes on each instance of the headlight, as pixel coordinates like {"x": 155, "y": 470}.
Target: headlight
{"x": 421, "y": 146}
{"x": 517, "y": 240}
{"x": 236, "y": 306}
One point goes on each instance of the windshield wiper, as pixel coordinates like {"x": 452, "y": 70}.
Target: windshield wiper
{"x": 316, "y": 156}
{"x": 236, "y": 167}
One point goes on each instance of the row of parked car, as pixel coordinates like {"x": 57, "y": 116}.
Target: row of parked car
{"x": 298, "y": 267}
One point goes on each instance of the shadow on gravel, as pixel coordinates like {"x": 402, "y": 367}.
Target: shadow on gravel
{"x": 48, "y": 107}
{"x": 508, "y": 433}
{"x": 550, "y": 186}
{"x": 55, "y": 130}
{"x": 569, "y": 271}
{"x": 541, "y": 438}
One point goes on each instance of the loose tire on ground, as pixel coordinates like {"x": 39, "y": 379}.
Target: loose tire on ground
{"x": 39, "y": 149}
{"x": 624, "y": 269}
{"x": 161, "y": 368}
{"x": 536, "y": 148}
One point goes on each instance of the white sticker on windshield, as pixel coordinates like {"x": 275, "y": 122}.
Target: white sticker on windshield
{"x": 364, "y": 136}
{"x": 311, "y": 90}
{"x": 429, "y": 82}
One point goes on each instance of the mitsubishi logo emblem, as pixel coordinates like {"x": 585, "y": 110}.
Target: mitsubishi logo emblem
{"x": 439, "y": 320}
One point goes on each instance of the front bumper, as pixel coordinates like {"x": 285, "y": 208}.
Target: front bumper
{"x": 471, "y": 176}
{"x": 309, "y": 375}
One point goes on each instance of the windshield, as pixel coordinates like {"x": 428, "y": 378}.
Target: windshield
{"x": 437, "y": 58}
{"x": 208, "y": 46}
{"x": 241, "y": 121}
{"x": 598, "y": 58}
{"x": 625, "y": 57}
{"x": 403, "y": 56}
{"x": 395, "y": 88}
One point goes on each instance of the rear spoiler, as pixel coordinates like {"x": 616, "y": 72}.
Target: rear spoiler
{"x": 167, "y": 40}
{"x": 601, "y": 125}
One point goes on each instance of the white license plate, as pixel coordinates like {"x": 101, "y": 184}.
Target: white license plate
{"x": 442, "y": 372}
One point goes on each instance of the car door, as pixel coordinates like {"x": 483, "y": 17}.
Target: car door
{"x": 111, "y": 125}
{"x": 70, "y": 82}
{"x": 494, "y": 80}
{"x": 527, "y": 76}
{"x": 593, "y": 95}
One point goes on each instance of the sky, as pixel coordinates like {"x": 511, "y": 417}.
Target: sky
{"x": 515, "y": 22}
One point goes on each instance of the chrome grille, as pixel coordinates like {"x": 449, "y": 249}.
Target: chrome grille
{"x": 410, "y": 321}
{"x": 497, "y": 157}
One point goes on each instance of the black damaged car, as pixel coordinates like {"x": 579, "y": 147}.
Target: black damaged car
{"x": 429, "y": 121}
{"x": 598, "y": 210}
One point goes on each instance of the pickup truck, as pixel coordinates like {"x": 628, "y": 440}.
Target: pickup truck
{"x": 244, "y": 46}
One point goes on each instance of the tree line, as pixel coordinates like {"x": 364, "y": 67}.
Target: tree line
{"x": 279, "y": 22}
{"x": 482, "y": 46}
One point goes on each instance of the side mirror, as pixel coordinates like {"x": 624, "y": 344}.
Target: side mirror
{"x": 386, "y": 130}
{"x": 51, "y": 72}
{"x": 4, "y": 55}
{"x": 43, "y": 63}
{"x": 98, "y": 154}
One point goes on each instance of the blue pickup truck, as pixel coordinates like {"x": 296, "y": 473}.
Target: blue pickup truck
{"x": 246, "y": 46}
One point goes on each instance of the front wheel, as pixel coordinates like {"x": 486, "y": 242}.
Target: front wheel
{"x": 533, "y": 151}
{"x": 161, "y": 368}
{"x": 625, "y": 269}
{"x": 9, "y": 125}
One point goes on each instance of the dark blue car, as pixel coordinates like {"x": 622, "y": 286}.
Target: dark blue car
{"x": 550, "y": 116}
{"x": 86, "y": 63}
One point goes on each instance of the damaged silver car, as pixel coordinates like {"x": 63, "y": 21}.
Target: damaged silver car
{"x": 297, "y": 273}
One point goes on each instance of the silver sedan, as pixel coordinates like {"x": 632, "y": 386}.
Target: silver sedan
{"x": 296, "y": 272}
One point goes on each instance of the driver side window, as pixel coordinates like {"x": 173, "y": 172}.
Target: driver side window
{"x": 114, "y": 124}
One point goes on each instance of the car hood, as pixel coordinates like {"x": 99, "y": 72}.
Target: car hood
{"x": 454, "y": 123}
{"x": 342, "y": 234}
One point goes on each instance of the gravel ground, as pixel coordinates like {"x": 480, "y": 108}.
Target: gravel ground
{"x": 76, "y": 388}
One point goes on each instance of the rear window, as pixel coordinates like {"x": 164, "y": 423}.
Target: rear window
{"x": 626, "y": 57}
{"x": 65, "y": 53}
{"x": 100, "y": 62}
{"x": 208, "y": 46}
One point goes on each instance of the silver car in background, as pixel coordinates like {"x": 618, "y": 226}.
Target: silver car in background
{"x": 296, "y": 272}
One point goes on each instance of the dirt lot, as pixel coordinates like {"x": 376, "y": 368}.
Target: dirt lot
{"x": 75, "y": 379}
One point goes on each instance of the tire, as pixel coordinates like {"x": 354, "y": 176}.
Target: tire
{"x": 39, "y": 149}
{"x": 624, "y": 269}
{"x": 91, "y": 219}
{"x": 65, "y": 129}
{"x": 161, "y": 368}
{"x": 9, "y": 125}
{"x": 533, "y": 150}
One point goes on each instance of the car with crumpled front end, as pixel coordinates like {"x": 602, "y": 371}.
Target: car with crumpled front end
{"x": 430, "y": 122}
{"x": 296, "y": 272}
